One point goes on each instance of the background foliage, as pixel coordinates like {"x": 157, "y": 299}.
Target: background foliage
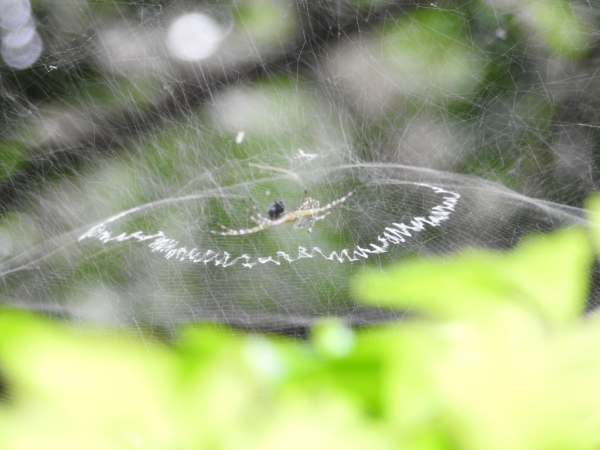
{"x": 111, "y": 116}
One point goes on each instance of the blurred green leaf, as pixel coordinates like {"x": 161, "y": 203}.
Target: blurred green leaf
{"x": 84, "y": 389}
{"x": 80, "y": 388}
{"x": 265, "y": 22}
{"x": 430, "y": 49}
{"x": 547, "y": 272}
{"x": 501, "y": 383}
{"x": 558, "y": 27}
{"x": 332, "y": 338}
{"x": 12, "y": 156}
{"x": 593, "y": 213}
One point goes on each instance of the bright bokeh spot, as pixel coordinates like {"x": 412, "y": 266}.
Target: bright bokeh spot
{"x": 193, "y": 37}
{"x": 21, "y": 45}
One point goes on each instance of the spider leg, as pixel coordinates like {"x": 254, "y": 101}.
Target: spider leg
{"x": 238, "y": 232}
{"x": 309, "y": 212}
{"x": 258, "y": 218}
{"x": 334, "y": 203}
{"x": 232, "y": 232}
{"x": 221, "y": 233}
{"x": 316, "y": 218}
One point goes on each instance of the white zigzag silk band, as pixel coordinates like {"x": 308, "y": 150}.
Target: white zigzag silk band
{"x": 394, "y": 234}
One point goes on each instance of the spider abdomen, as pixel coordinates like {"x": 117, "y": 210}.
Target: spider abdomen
{"x": 276, "y": 210}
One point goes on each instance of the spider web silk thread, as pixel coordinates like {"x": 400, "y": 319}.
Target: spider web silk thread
{"x": 395, "y": 234}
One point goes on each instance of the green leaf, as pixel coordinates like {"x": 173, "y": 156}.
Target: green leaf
{"x": 558, "y": 27}
{"x": 72, "y": 389}
{"x": 332, "y": 338}
{"x": 547, "y": 272}
{"x": 592, "y": 206}
{"x": 493, "y": 385}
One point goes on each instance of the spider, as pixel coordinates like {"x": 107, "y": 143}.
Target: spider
{"x": 304, "y": 216}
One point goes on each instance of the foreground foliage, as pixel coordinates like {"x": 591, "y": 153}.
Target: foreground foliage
{"x": 496, "y": 356}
